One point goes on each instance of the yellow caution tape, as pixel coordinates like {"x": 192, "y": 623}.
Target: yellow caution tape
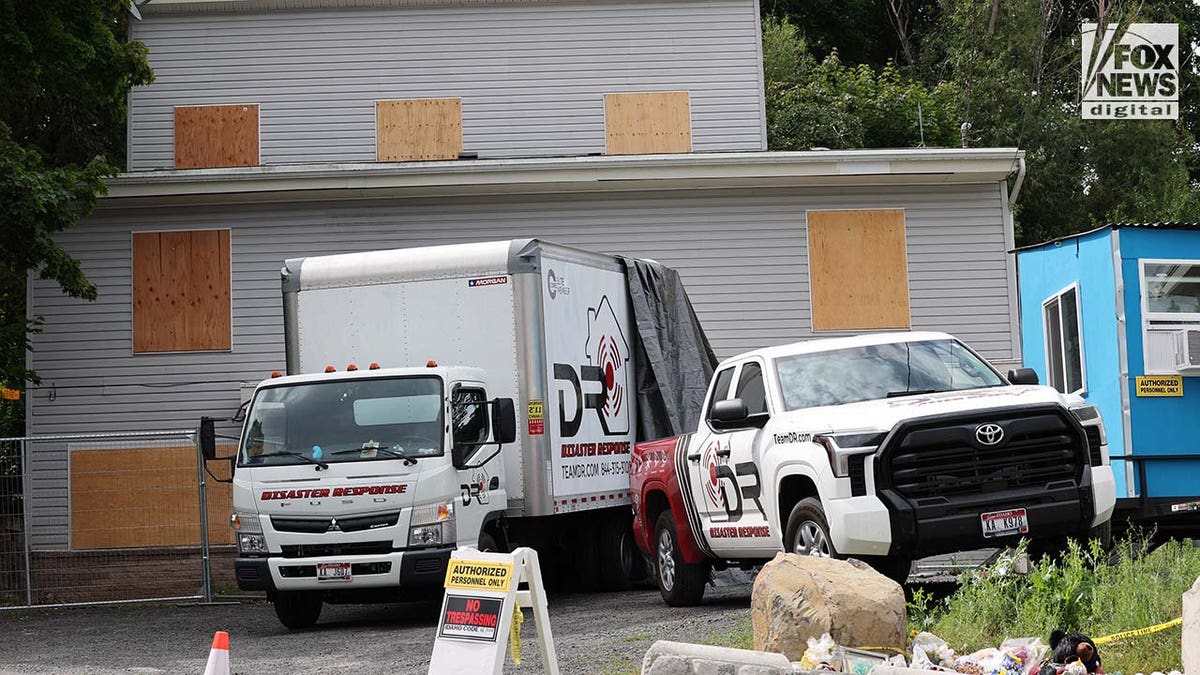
{"x": 514, "y": 635}
{"x": 1140, "y": 631}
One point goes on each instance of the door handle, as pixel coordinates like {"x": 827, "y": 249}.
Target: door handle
{"x": 723, "y": 453}
{"x": 694, "y": 457}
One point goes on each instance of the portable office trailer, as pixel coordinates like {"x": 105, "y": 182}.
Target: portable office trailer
{"x": 1114, "y": 315}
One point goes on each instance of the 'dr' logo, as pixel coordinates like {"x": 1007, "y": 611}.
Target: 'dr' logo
{"x": 607, "y": 350}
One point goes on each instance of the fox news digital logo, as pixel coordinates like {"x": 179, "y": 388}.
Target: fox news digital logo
{"x": 1131, "y": 73}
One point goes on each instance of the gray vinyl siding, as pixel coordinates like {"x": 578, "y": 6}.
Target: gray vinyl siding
{"x": 741, "y": 253}
{"x": 531, "y": 77}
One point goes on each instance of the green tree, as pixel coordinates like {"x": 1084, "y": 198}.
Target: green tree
{"x": 830, "y": 104}
{"x": 65, "y": 70}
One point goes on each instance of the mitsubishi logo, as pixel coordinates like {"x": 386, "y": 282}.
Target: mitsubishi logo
{"x": 333, "y": 526}
{"x": 989, "y": 434}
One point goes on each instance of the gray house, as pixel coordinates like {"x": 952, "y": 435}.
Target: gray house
{"x": 285, "y": 128}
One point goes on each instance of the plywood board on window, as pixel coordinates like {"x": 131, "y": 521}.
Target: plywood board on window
{"x": 418, "y": 129}
{"x": 144, "y": 497}
{"x": 181, "y": 291}
{"x": 858, "y": 269}
{"x": 214, "y": 136}
{"x": 647, "y": 123}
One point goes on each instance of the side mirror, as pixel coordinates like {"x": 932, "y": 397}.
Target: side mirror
{"x": 1023, "y": 376}
{"x": 208, "y": 438}
{"x": 733, "y": 414}
{"x": 458, "y": 456}
{"x": 504, "y": 421}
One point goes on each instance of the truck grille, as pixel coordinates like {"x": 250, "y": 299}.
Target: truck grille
{"x": 344, "y": 524}
{"x": 943, "y": 457}
{"x": 319, "y": 550}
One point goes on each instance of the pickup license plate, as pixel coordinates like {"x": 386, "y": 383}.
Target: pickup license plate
{"x": 1004, "y": 523}
{"x": 333, "y": 571}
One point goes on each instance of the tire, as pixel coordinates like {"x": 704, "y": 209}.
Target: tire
{"x": 618, "y": 554}
{"x": 807, "y": 531}
{"x": 680, "y": 583}
{"x": 895, "y": 568}
{"x": 297, "y": 609}
{"x": 488, "y": 543}
{"x": 1103, "y": 532}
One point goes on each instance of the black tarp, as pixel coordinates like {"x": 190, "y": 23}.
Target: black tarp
{"x": 671, "y": 355}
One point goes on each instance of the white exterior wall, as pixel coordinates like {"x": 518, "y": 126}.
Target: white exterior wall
{"x": 741, "y": 254}
{"x": 532, "y": 75}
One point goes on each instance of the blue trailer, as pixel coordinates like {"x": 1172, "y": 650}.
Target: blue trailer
{"x": 1113, "y": 314}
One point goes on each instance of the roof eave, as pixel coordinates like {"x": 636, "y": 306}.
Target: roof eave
{"x": 577, "y": 174}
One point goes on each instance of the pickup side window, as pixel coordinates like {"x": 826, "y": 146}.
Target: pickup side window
{"x": 720, "y": 389}
{"x": 469, "y": 412}
{"x": 751, "y": 389}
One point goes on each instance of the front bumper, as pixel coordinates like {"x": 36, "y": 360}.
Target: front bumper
{"x": 424, "y": 568}
{"x": 956, "y": 526}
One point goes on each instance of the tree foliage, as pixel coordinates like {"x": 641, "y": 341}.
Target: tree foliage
{"x": 834, "y": 105}
{"x": 65, "y": 70}
{"x": 1009, "y": 69}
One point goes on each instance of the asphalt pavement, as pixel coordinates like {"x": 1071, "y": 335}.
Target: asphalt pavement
{"x": 595, "y": 633}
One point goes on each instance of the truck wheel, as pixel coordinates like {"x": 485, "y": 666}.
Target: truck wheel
{"x": 297, "y": 609}
{"x": 488, "y": 543}
{"x": 618, "y": 554}
{"x": 680, "y": 583}
{"x": 895, "y": 568}
{"x": 807, "y": 531}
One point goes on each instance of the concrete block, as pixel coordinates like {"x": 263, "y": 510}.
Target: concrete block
{"x": 1191, "y": 630}
{"x": 668, "y": 665}
{"x": 667, "y": 658}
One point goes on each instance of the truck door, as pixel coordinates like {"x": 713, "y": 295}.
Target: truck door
{"x": 481, "y": 489}
{"x": 727, "y": 475}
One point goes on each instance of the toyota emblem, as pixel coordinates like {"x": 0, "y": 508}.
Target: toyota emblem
{"x": 989, "y": 434}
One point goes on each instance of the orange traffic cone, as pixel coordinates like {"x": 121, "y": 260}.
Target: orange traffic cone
{"x": 218, "y": 656}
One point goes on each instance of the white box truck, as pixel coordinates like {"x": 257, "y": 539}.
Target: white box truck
{"x": 468, "y": 395}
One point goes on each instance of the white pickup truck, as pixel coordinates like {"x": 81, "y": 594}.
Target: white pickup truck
{"x": 884, "y": 447}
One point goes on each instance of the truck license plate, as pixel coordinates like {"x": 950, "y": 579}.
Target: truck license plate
{"x": 333, "y": 571}
{"x": 1003, "y": 523}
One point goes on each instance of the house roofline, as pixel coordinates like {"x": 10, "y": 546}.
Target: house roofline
{"x": 574, "y": 174}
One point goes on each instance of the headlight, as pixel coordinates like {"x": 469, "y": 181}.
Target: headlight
{"x": 432, "y": 525}
{"x": 247, "y": 529}
{"x": 839, "y": 448}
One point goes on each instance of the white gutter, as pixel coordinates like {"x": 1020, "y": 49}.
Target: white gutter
{"x": 1012, "y": 198}
{"x": 592, "y": 173}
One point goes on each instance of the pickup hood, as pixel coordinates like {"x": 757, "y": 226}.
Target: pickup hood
{"x": 883, "y": 415}
{"x": 345, "y": 488}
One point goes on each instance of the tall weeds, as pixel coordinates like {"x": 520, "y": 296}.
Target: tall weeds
{"x": 1086, "y": 589}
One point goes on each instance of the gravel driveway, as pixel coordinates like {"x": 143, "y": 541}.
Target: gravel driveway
{"x": 594, "y": 633}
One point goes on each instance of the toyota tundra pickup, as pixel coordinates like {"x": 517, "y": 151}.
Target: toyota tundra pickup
{"x": 884, "y": 447}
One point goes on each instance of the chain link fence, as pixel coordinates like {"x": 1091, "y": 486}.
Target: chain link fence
{"x": 108, "y": 518}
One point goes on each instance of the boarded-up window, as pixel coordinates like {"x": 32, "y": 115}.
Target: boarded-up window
{"x": 212, "y": 136}
{"x": 858, "y": 270}
{"x": 181, "y": 291}
{"x": 655, "y": 122}
{"x": 418, "y": 129}
{"x": 143, "y": 497}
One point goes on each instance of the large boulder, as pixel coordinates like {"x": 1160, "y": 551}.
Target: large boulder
{"x": 795, "y": 598}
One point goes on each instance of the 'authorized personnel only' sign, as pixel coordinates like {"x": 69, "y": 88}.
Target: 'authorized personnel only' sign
{"x": 1159, "y": 385}
{"x": 1131, "y": 72}
{"x": 478, "y": 575}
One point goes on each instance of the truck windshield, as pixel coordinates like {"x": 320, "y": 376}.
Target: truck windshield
{"x": 872, "y": 372}
{"x": 345, "y": 421}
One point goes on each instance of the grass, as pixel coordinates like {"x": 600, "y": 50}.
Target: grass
{"x": 1087, "y": 589}
{"x": 741, "y": 637}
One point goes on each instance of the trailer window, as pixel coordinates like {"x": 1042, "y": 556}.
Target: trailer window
{"x": 1064, "y": 346}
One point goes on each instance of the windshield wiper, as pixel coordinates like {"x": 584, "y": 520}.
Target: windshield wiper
{"x": 911, "y": 392}
{"x": 288, "y": 453}
{"x": 409, "y": 460}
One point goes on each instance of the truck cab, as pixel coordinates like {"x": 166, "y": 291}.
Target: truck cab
{"x": 884, "y": 447}
{"x": 358, "y": 484}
